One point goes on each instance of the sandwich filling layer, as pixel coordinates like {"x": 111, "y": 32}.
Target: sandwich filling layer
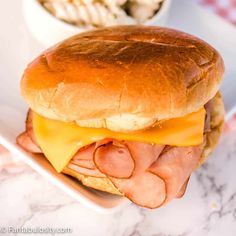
{"x": 150, "y": 167}
{"x": 60, "y": 141}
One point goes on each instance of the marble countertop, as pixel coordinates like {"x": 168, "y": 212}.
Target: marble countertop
{"x": 208, "y": 207}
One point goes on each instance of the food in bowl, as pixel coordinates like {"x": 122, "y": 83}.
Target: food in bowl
{"x": 101, "y": 13}
{"x": 129, "y": 110}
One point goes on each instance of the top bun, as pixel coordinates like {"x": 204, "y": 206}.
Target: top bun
{"x": 123, "y": 77}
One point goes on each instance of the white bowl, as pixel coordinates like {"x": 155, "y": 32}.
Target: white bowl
{"x": 49, "y": 30}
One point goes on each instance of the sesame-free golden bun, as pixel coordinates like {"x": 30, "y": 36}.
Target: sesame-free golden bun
{"x": 123, "y": 78}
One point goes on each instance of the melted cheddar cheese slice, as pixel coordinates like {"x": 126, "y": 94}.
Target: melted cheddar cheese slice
{"x": 60, "y": 141}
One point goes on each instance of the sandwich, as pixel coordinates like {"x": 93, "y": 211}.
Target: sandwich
{"x": 128, "y": 110}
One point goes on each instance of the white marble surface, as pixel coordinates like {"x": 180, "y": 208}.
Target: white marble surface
{"x": 208, "y": 208}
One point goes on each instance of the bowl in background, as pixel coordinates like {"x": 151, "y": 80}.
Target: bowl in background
{"x": 48, "y": 29}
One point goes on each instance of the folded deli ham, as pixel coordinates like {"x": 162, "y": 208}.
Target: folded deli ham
{"x": 148, "y": 174}
{"x": 153, "y": 174}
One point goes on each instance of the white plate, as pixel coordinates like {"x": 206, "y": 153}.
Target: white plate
{"x": 17, "y": 47}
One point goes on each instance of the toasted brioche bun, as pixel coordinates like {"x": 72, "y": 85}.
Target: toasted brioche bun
{"x": 212, "y": 138}
{"x": 123, "y": 78}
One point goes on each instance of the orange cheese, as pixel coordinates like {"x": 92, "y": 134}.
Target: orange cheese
{"x": 60, "y": 141}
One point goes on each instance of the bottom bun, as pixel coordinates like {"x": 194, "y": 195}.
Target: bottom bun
{"x": 212, "y": 138}
{"x": 102, "y": 184}
{"x": 217, "y": 122}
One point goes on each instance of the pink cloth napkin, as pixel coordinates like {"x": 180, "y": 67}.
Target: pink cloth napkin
{"x": 10, "y": 163}
{"x": 224, "y": 8}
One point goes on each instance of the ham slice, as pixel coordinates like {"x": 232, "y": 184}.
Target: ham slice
{"x": 84, "y": 157}
{"x": 85, "y": 171}
{"x": 26, "y": 142}
{"x": 157, "y": 179}
{"x": 183, "y": 189}
{"x": 114, "y": 160}
{"x": 175, "y": 166}
{"x": 143, "y": 188}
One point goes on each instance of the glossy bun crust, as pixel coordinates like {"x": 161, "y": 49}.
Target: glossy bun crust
{"x": 123, "y": 77}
